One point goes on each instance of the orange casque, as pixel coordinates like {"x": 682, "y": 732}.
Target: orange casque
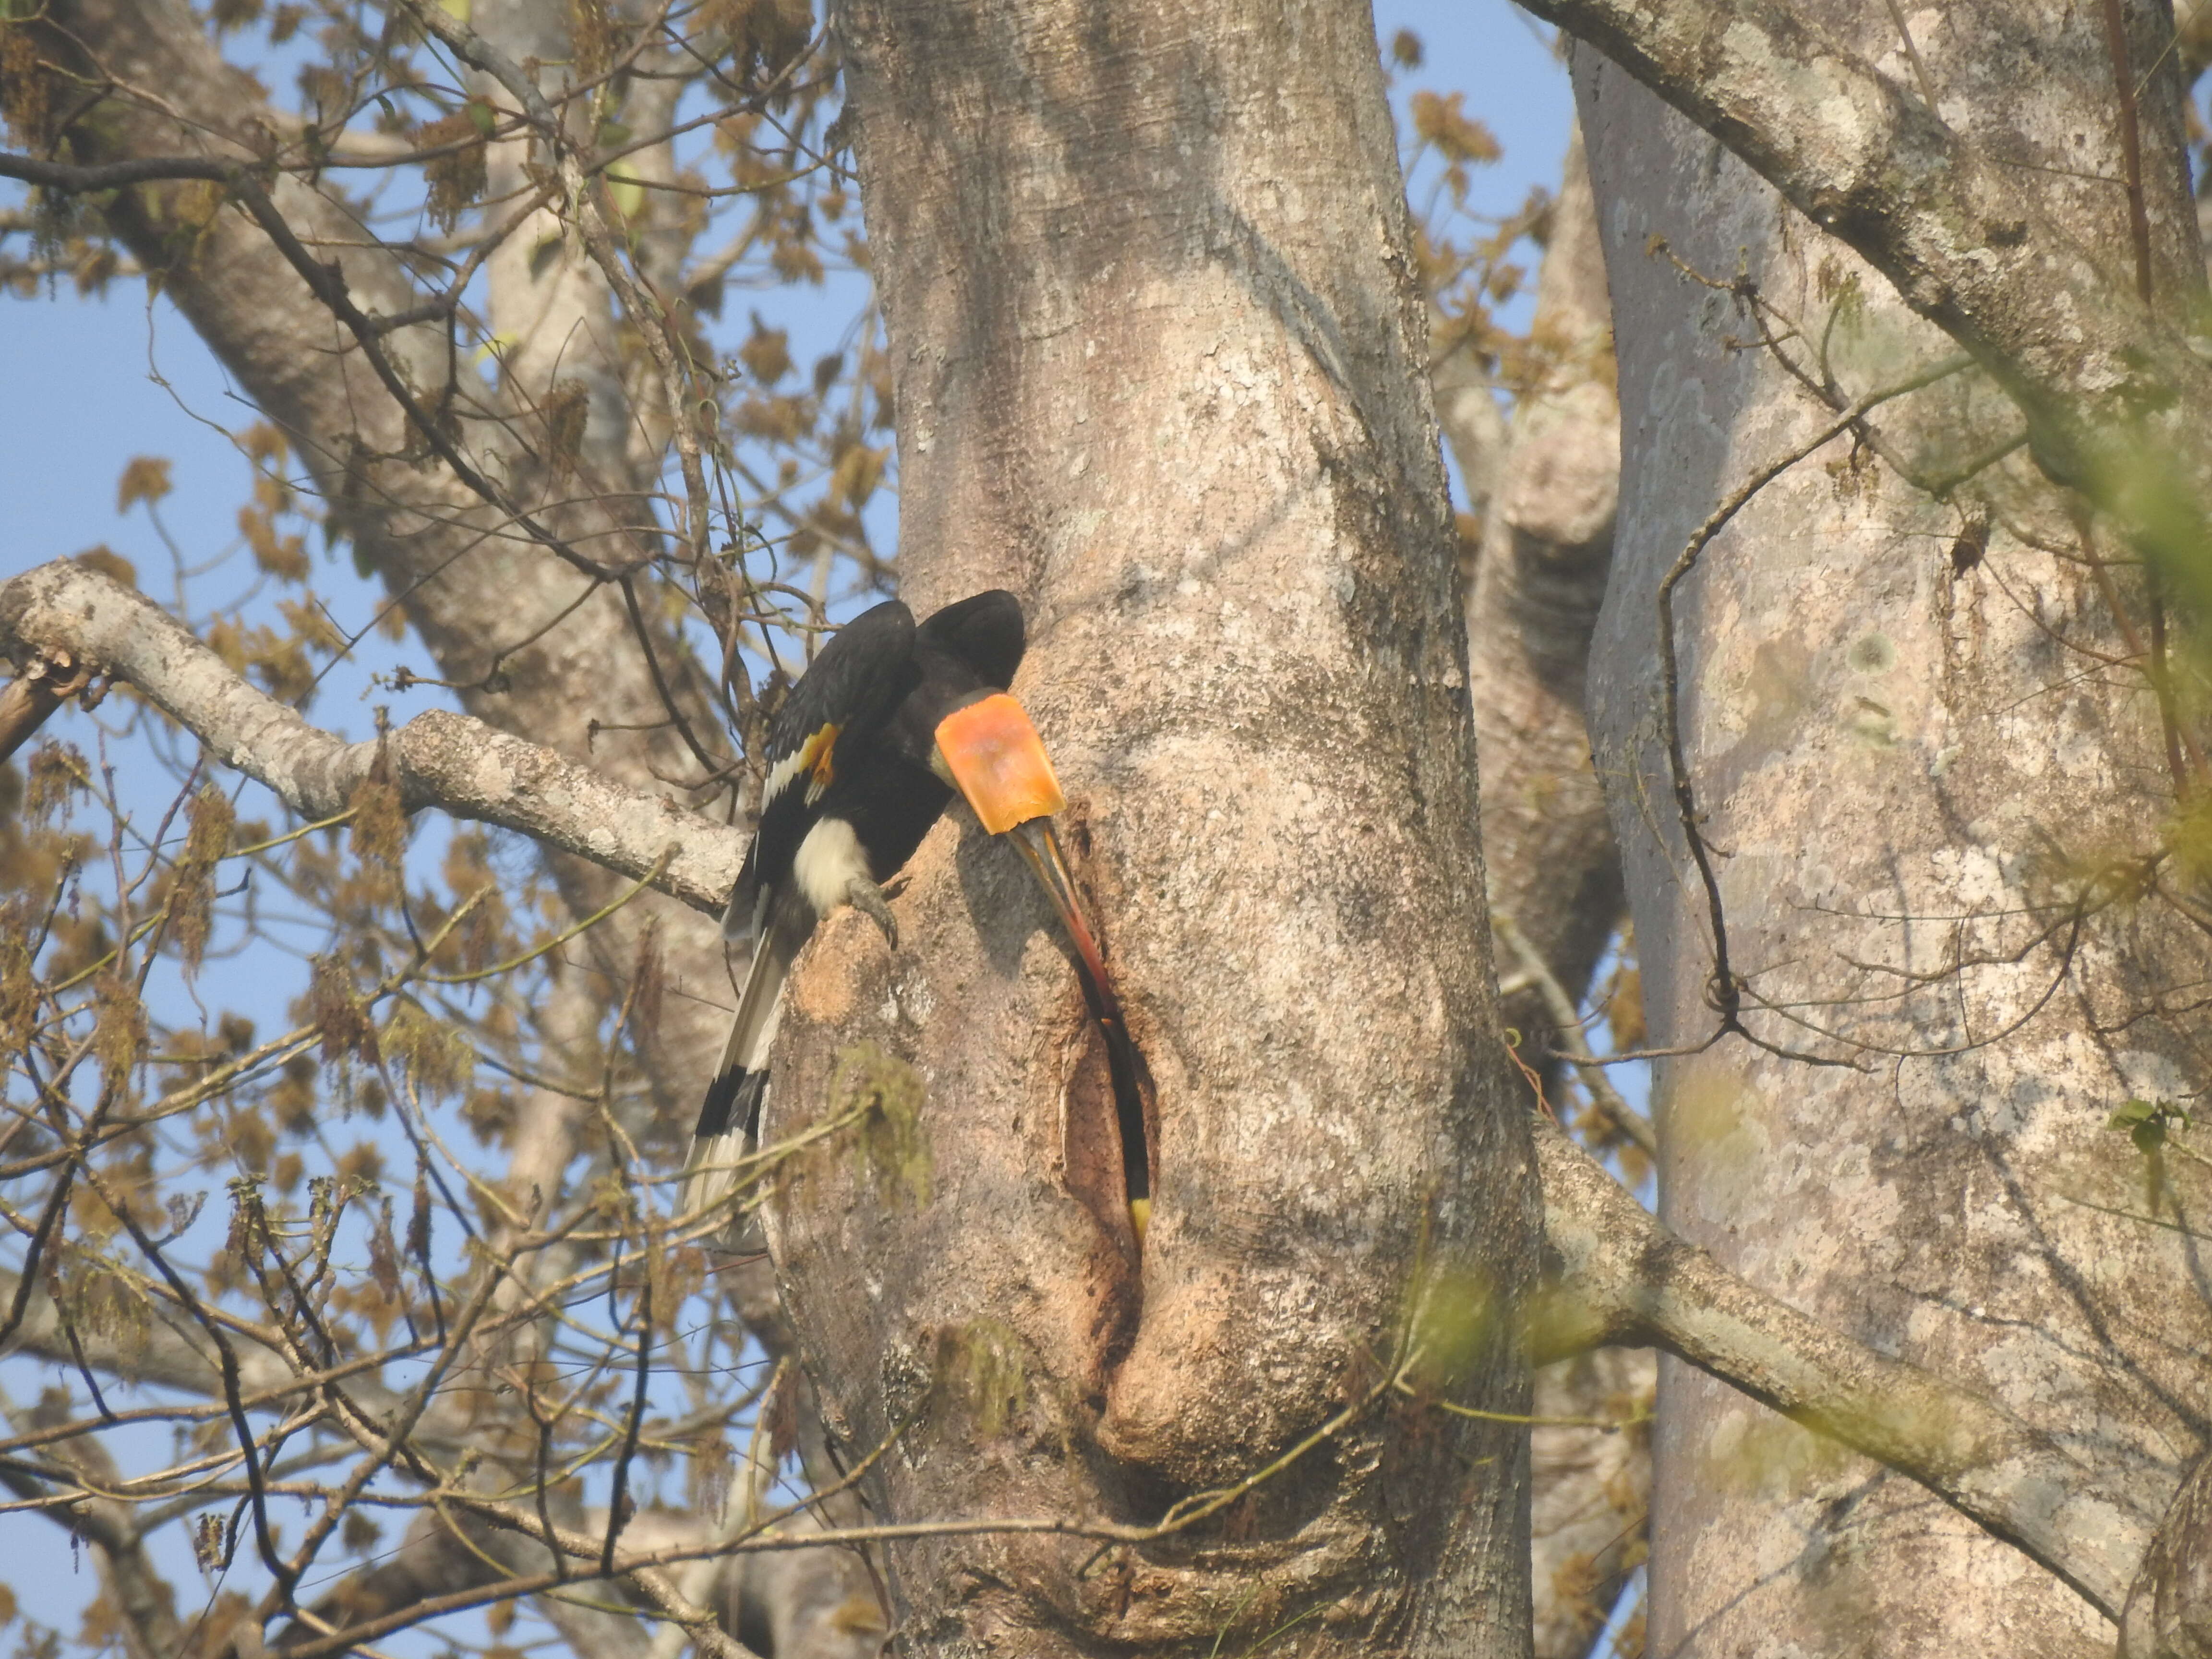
{"x": 999, "y": 763}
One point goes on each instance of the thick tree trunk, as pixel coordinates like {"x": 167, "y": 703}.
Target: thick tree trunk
{"x": 1922, "y": 754}
{"x": 1160, "y": 351}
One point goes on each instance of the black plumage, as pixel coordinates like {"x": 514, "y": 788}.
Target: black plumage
{"x": 852, "y": 787}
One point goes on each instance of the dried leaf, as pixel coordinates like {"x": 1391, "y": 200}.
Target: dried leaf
{"x": 109, "y": 564}
{"x": 1458, "y": 135}
{"x": 456, "y": 178}
{"x": 145, "y": 479}
{"x": 379, "y": 825}
{"x": 766, "y": 353}
{"x": 119, "y": 1023}
{"x": 26, "y": 90}
{"x": 384, "y": 1253}
{"x": 438, "y": 1060}
{"x": 567, "y": 409}
{"x": 206, "y": 839}
{"x": 333, "y": 1007}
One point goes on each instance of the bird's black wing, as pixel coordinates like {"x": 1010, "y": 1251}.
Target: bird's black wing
{"x": 845, "y": 695}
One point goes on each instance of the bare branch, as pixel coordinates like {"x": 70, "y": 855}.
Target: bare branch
{"x": 1967, "y": 244}
{"x": 1623, "y": 1278}
{"x": 449, "y": 761}
{"x": 1568, "y": 1028}
{"x": 166, "y": 1354}
{"x": 41, "y": 688}
{"x": 135, "y": 1589}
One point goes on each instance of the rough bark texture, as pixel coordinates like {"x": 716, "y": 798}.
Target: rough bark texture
{"x": 1544, "y": 486}
{"x": 2169, "y": 1611}
{"x": 1906, "y": 781}
{"x": 1160, "y": 350}
{"x": 1622, "y": 1277}
{"x": 2007, "y": 238}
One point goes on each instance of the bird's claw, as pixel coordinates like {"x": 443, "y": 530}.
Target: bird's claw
{"x": 868, "y": 899}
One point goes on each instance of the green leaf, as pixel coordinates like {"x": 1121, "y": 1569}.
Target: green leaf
{"x": 2148, "y": 1122}
{"x": 628, "y": 195}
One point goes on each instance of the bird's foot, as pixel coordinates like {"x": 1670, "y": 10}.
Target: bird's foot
{"x": 868, "y": 899}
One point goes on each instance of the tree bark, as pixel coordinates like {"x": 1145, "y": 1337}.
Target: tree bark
{"x": 1160, "y": 257}
{"x": 2169, "y": 1611}
{"x": 1539, "y": 579}
{"x": 1903, "y": 783}
{"x": 1910, "y": 152}
{"x": 1544, "y": 487}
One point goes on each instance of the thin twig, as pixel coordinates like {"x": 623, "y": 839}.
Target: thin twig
{"x": 1608, "y": 1099}
{"x": 2115, "y": 41}
{"x": 1725, "y": 992}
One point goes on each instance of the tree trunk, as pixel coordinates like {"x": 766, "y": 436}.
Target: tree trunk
{"x": 1933, "y": 819}
{"x": 1160, "y": 352}
{"x": 1547, "y": 549}
{"x": 1545, "y": 487}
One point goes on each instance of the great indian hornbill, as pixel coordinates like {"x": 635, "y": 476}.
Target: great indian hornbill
{"x": 852, "y": 789}
{"x": 863, "y": 756}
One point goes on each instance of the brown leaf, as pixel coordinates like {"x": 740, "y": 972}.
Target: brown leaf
{"x": 766, "y": 353}
{"x": 1442, "y": 122}
{"x": 146, "y": 479}
{"x": 456, "y": 178}
{"x": 109, "y": 564}
{"x": 567, "y": 409}
{"x": 333, "y": 1007}
{"x": 206, "y": 840}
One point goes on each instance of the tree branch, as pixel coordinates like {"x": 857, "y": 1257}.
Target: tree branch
{"x": 1964, "y": 238}
{"x": 2169, "y": 1611}
{"x": 165, "y": 1354}
{"x": 1566, "y": 1026}
{"x": 437, "y": 759}
{"x": 142, "y": 1598}
{"x": 1621, "y": 1277}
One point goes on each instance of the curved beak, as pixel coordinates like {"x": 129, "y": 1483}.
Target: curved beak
{"x": 991, "y": 752}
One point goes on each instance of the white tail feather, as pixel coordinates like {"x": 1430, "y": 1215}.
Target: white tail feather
{"x": 716, "y": 1160}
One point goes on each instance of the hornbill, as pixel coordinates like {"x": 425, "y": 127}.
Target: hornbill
{"x": 863, "y": 757}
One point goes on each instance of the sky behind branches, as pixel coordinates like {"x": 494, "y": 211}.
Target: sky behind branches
{"x": 93, "y": 382}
